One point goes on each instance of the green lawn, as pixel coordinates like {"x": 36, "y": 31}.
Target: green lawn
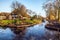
{"x": 27, "y": 21}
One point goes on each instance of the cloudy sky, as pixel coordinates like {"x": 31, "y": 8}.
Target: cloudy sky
{"x": 34, "y": 5}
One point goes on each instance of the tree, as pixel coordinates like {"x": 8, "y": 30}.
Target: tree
{"x": 52, "y": 8}
{"x": 57, "y": 8}
{"x": 19, "y": 9}
{"x": 15, "y": 5}
{"x": 31, "y": 13}
{"x": 34, "y": 17}
{"x": 49, "y": 9}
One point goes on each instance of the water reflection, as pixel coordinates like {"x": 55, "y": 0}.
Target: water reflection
{"x": 37, "y": 32}
{"x": 6, "y": 34}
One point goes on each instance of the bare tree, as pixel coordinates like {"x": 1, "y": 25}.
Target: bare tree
{"x": 48, "y": 8}
{"x": 54, "y": 7}
{"x": 15, "y": 5}
{"x": 19, "y": 9}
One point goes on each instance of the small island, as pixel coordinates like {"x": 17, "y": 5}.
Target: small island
{"x": 29, "y": 19}
{"x": 19, "y": 18}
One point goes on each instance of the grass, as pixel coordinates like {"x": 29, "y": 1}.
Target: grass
{"x": 34, "y": 21}
{"x": 37, "y": 21}
{"x": 5, "y": 22}
{"x": 17, "y": 21}
{"x": 29, "y": 21}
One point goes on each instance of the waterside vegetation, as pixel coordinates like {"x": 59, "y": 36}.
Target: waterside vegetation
{"x": 19, "y": 16}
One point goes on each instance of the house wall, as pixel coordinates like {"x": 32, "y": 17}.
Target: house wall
{"x": 2, "y": 17}
{"x": 10, "y": 17}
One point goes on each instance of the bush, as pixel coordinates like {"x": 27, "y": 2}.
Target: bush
{"x": 6, "y": 22}
{"x": 37, "y": 21}
{"x": 29, "y": 21}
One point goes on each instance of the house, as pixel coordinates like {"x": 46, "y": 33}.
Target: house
{"x": 9, "y": 16}
{"x": 5, "y": 15}
{"x": 2, "y": 17}
{"x": 15, "y": 14}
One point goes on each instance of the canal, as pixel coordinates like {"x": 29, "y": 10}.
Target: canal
{"x": 36, "y": 32}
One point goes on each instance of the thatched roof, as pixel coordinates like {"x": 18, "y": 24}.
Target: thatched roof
{"x": 4, "y": 14}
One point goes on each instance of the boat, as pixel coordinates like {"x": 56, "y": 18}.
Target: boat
{"x": 55, "y": 27}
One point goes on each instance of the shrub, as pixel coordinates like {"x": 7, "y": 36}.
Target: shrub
{"x": 29, "y": 21}
{"x": 6, "y": 22}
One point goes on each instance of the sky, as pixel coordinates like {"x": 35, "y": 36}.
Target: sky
{"x": 34, "y": 5}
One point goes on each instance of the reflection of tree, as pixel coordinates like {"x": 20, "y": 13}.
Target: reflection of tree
{"x": 49, "y": 34}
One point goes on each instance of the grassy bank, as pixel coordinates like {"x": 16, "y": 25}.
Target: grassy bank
{"x": 19, "y": 22}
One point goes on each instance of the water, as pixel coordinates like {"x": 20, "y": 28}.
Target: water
{"x": 6, "y": 34}
{"x": 37, "y": 32}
